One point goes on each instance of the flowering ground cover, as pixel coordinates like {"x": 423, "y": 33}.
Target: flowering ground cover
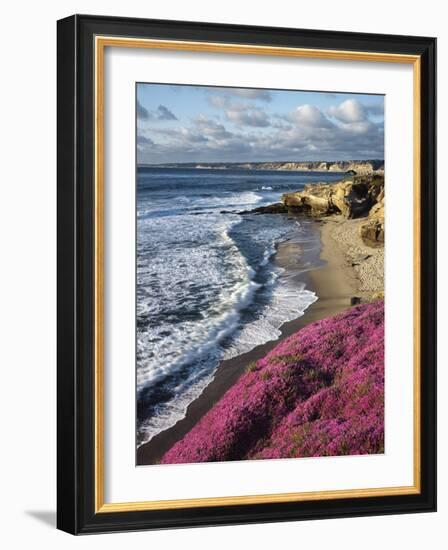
{"x": 319, "y": 392}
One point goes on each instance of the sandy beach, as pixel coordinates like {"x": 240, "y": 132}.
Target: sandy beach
{"x": 352, "y": 272}
{"x": 366, "y": 264}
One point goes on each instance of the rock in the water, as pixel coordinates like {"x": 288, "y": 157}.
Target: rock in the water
{"x": 277, "y": 208}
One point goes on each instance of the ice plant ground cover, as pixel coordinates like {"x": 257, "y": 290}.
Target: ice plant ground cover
{"x": 319, "y": 392}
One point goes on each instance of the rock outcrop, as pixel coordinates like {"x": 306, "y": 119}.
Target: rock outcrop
{"x": 276, "y": 208}
{"x": 372, "y": 232}
{"x": 352, "y": 197}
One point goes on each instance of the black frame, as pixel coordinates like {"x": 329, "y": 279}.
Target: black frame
{"x": 75, "y": 172}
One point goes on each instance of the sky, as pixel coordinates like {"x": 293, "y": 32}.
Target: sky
{"x": 179, "y": 123}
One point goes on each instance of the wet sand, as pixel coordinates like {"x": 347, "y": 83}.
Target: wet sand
{"x": 336, "y": 283}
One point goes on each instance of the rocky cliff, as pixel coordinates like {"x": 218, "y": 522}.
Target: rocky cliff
{"x": 353, "y": 197}
{"x": 372, "y": 232}
{"x": 359, "y": 167}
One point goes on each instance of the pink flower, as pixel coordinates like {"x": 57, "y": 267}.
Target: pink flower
{"x": 319, "y": 392}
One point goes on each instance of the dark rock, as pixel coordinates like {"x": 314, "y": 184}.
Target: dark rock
{"x": 372, "y": 232}
{"x": 360, "y": 258}
{"x": 277, "y": 208}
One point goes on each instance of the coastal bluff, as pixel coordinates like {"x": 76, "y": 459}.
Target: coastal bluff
{"x": 351, "y": 197}
{"x": 356, "y": 197}
{"x": 358, "y": 167}
{"x": 319, "y": 392}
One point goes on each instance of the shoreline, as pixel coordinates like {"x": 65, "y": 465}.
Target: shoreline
{"x": 335, "y": 283}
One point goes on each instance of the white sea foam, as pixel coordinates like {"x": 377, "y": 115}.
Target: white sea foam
{"x": 174, "y": 410}
{"x": 191, "y": 341}
{"x": 288, "y": 303}
{"x": 206, "y": 291}
{"x": 232, "y": 199}
{"x": 227, "y": 288}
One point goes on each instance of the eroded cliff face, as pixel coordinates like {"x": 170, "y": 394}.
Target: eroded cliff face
{"x": 372, "y": 232}
{"x": 356, "y": 167}
{"x": 354, "y": 197}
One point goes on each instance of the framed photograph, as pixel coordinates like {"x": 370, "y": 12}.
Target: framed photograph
{"x": 246, "y": 274}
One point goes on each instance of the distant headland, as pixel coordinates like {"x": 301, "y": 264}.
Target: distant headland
{"x": 359, "y": 167}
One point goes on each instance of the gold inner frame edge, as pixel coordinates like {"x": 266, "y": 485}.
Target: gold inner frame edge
{"x": 101, "y": 42}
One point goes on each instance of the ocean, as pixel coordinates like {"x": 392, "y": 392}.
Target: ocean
{"x": 207, "y": 286}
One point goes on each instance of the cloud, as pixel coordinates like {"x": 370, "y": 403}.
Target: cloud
{"x": 211, "y": 128}
{"x": 142, "y": 112}
{"x": 218, "y": 101}
{"x": 361, "y": 127}
{"x": 191, "y": 135}
{"x": 349, "y": 111}
{"x": 354, "y": 123}
{"x": 245, "y": 115}
{"x": 241, "y": 114}
{"x": 353, "y": 111}
{"x": 281, "y": 122}
{"x": 144, "y": 142}
{"x": 249, "y": 93}
{"x": 310, "y": 116}
{"x": 306, "y": 133}
{"x": 222, "y": 97}
{"x": 161, "y": 113}
{"x": 376, "y": 109}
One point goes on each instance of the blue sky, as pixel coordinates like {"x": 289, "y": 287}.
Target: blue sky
{"x": 177, "y": 123}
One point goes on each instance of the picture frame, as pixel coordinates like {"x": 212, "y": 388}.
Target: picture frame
{"x": 82, "y": 42}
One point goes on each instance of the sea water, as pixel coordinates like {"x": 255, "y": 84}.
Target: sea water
{"x": 207, "y": 286}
